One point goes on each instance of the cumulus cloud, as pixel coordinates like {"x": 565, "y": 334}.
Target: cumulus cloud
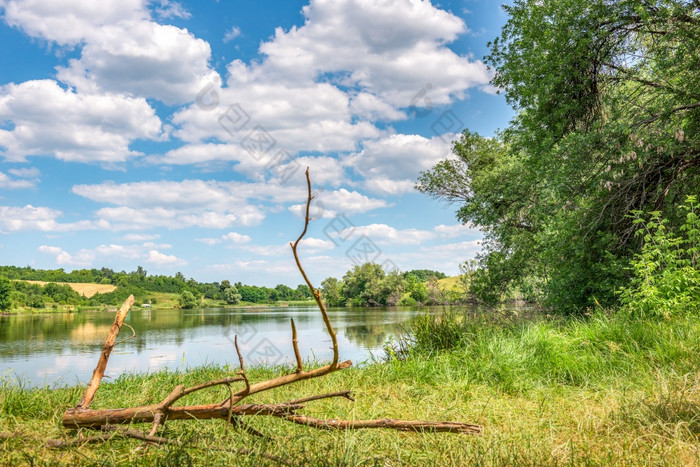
{"x": 389, "y": 48}
{"x": 86, "y": 257}
{"x": 174, "y": 205}
{"x": 161, "y": 259}
{"x": 268, "y": 116}
{"x": 69, "y": 22}
{"x": 341, "y": 201}
{"x": 391, "y": 165}
{"x": 142, "y": 58}
{"x": 43, "y": 219}
{"x": 123, "y": 50}
{"x": 83, "y": 258}
{"x": 50, "y": 120}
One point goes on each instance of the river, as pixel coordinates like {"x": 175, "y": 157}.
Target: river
{"x": 62, "y": 349}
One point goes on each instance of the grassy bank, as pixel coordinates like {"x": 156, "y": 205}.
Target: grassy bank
{"x": 601, "y": 391}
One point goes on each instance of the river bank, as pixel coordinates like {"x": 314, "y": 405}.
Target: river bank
{"x": 603, "y": 391}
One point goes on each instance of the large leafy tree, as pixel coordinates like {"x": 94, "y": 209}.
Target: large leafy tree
{"x": 607, "y": 95}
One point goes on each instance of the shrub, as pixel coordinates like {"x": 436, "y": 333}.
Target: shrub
{"x": 666, "y": 274}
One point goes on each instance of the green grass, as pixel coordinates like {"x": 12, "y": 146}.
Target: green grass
{"x": 602, "y": 391}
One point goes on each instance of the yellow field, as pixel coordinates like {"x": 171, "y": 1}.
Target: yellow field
{"x": 85, "y": 289}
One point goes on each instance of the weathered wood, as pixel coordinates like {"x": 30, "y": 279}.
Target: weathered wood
{"x": 104, "y": 356}
{"x": 401, "y": 425}
{"x": 77, "y": 418}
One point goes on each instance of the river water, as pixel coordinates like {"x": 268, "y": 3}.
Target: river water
{"x": 62, "y": 349}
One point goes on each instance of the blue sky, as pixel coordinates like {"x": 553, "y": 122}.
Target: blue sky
{"x": 174, "y": 135}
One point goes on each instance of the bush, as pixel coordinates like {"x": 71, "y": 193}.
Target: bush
{"x": 666, "y": 274}
{"x": 187, "y": 300}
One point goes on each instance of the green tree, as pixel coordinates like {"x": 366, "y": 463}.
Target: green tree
{"x": 187, "y": 300}
{"x": 232, "y": 296}
{"x": 416, "y": 289}
{"x": 607, "y": 95}
{"x": 361, "y": 284}
{"x": 331, "y": 291}
{"x": 5, "y": 292}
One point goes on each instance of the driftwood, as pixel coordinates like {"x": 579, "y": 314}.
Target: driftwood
{"x": 231, "y": 409}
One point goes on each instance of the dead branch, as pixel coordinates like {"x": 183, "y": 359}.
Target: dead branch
{"x": 231, "y": 409}
{"x": 104, "y": 356}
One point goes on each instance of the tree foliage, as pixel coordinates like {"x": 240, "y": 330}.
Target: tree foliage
{"x": 187, "y": 300}
{"x": 5, "y": 291}
{"x": 607, "y": 95}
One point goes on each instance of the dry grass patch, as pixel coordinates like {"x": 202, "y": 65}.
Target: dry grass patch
{"x": 83, "y": 288}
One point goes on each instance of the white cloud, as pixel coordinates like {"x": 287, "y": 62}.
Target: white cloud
{"x": 312, "y": 244}
{"x": 442, "y": 257}
{"x": 173, "y": 205}
{"x": 390, "y": 48}
{"x": 69, "y": 22}
{"x": 160, "y": 259}
{"x": 331, "y": 203}
{"x": 140, "y": 237}
{"x": 186, "y": 194}
{"x": 169, "y": 9}
{"x": 12, "y": 184}
{"x": 49, "y": 120}
{"x": 17, "y": 219}
{"x": 385, "y": 234}
{"x": 83, "y": 258}
{"x": 123, "y": 51}
{"x": 232, "y": 33}
{"x": 294, "y": 117}
{"x": 26, "y": 172}
{"x": 234, "y": 238}
{"x": 391, "y": 165}
{"x": 457, "y": 230}
{"x": 145, "y": 59}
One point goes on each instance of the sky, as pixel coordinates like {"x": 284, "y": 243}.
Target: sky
{"x": 175, "y": 135}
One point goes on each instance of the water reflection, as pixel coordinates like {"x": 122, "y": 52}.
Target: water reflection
{"x": 63, "y": 348}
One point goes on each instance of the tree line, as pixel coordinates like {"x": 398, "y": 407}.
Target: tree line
{"x": 365, "y": 285}
{"x": 14, "y": 292}
{"x": 604, "y": 150}
{"x": 369, "y": 285}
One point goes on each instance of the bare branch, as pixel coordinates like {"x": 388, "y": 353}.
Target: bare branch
{"x": 297, "y": 355}
{"x": 104, "y": 356}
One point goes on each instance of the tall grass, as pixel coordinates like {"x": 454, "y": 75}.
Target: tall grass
{"x": 522, "y": 354}
{"x": 600, "y": 391}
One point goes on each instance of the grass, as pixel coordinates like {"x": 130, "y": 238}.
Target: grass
{"x": 601, "y": 391}
{"x": 452, "y": 284}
